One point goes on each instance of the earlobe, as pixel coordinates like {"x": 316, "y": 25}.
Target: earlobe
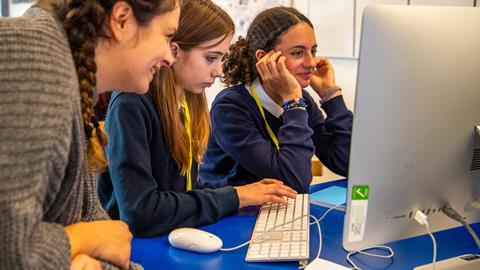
{"x": 259, "y": 54}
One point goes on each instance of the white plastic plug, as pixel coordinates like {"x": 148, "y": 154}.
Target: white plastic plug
{"x": 420, "y": 217}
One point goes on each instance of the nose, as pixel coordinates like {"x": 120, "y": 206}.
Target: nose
{"x": 169, "y": 59}
{"x": 217, "y": 71}
{"x": 310, "y": 61}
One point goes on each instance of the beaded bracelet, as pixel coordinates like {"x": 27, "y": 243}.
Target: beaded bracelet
{"x": 294, "y": 103}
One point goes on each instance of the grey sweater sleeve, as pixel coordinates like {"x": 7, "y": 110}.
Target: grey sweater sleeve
{"x": 35, "y": 140}
{"x": 43, "y": 186}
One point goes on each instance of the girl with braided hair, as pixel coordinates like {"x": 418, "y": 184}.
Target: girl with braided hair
{"x": 156, "y": 140}
{"x": 55, "y": 60}
{"x": 265, "y": 125}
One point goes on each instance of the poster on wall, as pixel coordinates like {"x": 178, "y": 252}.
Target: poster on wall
{"x": 244, "y": 11}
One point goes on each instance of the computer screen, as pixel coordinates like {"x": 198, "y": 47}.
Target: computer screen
{"x": 414, "y": 145}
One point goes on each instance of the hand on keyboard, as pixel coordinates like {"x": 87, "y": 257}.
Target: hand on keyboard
{"x": 265, "y": 191}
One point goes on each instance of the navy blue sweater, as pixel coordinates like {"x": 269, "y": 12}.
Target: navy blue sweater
{"x": 240, "y": 150}
{"x": 143, "y": 185}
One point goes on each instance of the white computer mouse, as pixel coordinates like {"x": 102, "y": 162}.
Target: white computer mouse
{"x": 194, "y": 240}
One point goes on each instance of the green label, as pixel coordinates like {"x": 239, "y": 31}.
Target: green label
{"x": 360, "y": 192}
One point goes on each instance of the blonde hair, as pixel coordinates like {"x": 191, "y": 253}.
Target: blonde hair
{"x": 200, "y": 21}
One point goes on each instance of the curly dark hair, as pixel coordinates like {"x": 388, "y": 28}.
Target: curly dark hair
{"x": 263, "y": 34}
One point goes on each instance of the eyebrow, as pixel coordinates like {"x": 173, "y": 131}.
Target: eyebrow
{"x": 215, "y": 52}
{"x": 301, "y": 47}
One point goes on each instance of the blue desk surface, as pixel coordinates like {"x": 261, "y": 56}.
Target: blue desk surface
{"x": 156, "y": 253}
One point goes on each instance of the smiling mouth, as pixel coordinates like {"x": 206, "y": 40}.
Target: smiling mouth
{"x": 306, "y": 75}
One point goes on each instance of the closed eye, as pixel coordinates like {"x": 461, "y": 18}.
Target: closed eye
{"x": 211, "y": 59}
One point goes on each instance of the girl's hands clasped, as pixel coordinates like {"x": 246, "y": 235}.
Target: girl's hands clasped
{"x": 108, "y": 240}
{"x": 85, "y": 262}
{"x": 265, "y": 191}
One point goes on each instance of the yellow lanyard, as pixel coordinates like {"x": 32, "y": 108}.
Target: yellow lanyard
{"x": 259, "y": 104}
{"x": 186, "y": 117}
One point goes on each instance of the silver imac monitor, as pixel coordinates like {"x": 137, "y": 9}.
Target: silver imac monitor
{"x": 414, "y": 144}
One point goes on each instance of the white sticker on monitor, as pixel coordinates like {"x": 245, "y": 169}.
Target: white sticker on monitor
{"x": 358, "y": 213}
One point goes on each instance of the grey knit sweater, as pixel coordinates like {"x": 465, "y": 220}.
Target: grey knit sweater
{"x": 43, "y": 182}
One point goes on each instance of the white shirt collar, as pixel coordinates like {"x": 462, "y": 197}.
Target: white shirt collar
{"x": 265, "y": 99}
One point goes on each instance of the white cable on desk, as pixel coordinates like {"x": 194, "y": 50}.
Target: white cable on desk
{"x": 317, "y": 221}
{"x": 269, "y": 230}
{"x": 320, "y": 240}
{"x": 364, "y": 252}
{"x": 421, "y": 218}
{"x": 236, "y": 247}
{"x": 328, "y": 211}
{"x": 434, "y": 246}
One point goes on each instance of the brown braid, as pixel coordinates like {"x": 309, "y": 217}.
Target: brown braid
{"x": 83, "y": 21}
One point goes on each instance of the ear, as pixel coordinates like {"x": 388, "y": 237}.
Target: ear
{"x": 122, "y": 23}
{"x": 175, "y": 49}
{"x": 259, "y": 54}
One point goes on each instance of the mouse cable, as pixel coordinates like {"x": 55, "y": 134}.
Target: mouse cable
{"x": 365, "y": 252}
{"x": 263, "y": 233}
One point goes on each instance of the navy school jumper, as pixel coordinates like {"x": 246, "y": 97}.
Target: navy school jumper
{"x": 143, "y": 185}
{"x": 240, "y": 151}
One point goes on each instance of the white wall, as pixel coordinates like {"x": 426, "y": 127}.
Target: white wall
{"x": 442, "y": 2}
{"x": 337, "y": 28}
{"x": 17, "y": 9}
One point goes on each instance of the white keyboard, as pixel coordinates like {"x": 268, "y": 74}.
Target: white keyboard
{"x": 287, "y": 242}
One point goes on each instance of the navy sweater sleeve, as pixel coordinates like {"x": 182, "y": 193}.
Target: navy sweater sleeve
{"x": 142, "y": 204}
{"x": 332, "y": 136}
{"x": 237, "y": 132}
